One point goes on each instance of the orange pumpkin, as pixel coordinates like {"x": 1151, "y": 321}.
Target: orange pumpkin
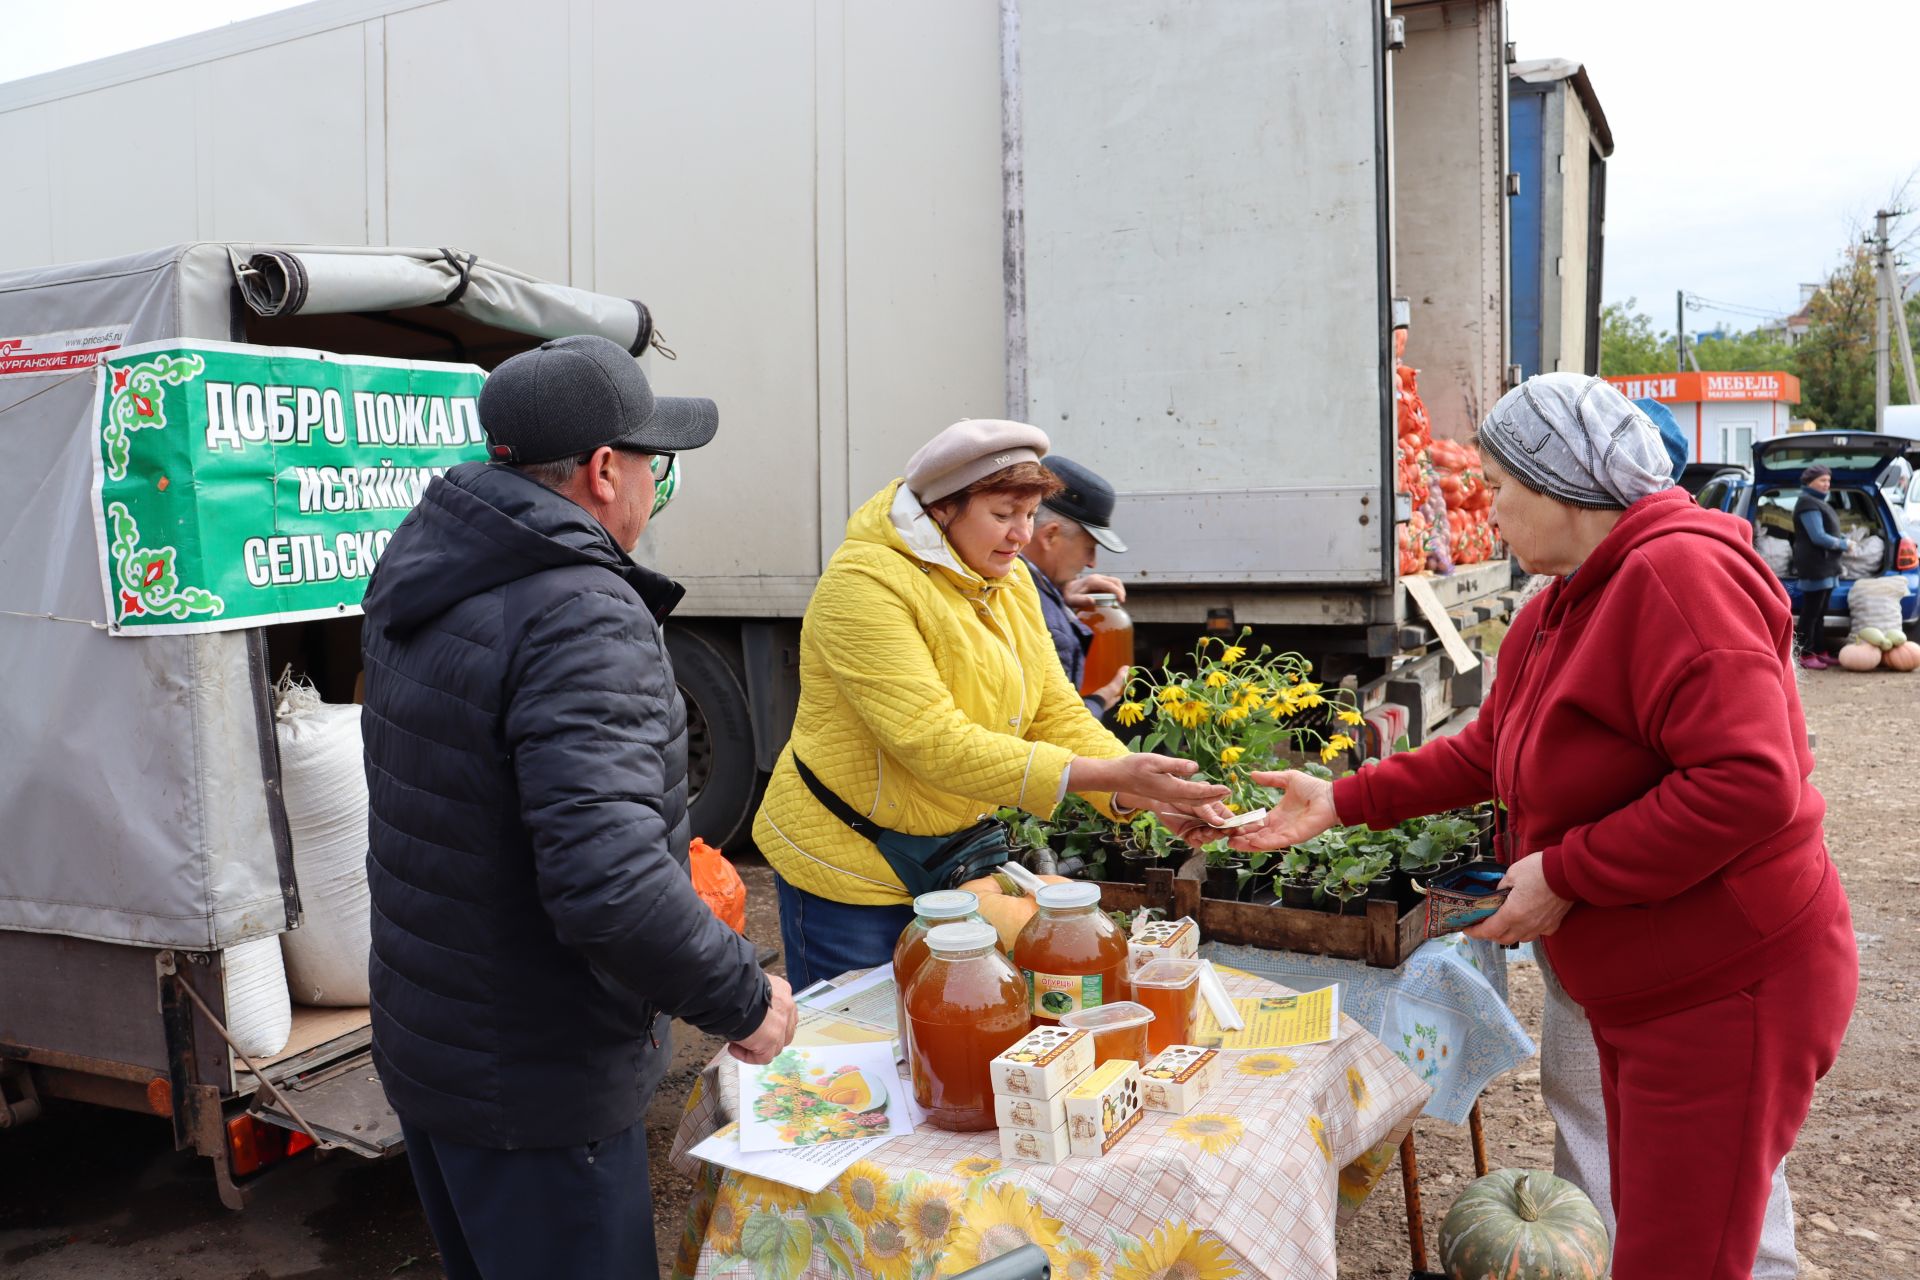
{"x": 1004, "y": 905}
{"x": 1903, "y": 657}
{"x": 1008, "y": 915}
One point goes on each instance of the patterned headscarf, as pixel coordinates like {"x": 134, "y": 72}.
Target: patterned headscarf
{"x": 1576, "y": 439}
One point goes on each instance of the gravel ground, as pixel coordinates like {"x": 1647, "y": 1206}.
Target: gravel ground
{"x": 101, "y": 1194}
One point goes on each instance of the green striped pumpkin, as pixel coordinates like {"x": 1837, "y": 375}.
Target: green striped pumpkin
{"x": 1521, "y": 1224}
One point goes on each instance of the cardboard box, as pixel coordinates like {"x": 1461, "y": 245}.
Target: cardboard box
{"x": 1163, "y": 940}
{"x": 1103, "y": 1108}
{"x": 1176, "y": 1080}
{"x": 1040, "y": 1114}
{"x": 1042, "y": 1063}
{"x": 1041, "y": 1146}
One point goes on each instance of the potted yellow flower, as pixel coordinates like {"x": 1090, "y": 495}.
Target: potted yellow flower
{"x": 1235, "y": 712}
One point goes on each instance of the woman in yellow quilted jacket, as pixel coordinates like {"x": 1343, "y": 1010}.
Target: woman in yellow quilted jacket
{"x": 930, "y": 695}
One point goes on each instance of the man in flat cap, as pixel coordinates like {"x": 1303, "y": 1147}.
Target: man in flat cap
{"x": 1068, "y": 532}
{"x": 534, "y": 926}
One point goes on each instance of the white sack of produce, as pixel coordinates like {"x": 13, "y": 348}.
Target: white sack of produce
{"x": 259, "y": 1014}
{"x": 1777, "y": 552}
{"x": 1875, "y": 602}
{"x": 1864, "y": 560}
{"x": 325, "y": 785}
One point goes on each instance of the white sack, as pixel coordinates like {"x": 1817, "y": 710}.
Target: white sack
{"x": 1875, "y": 602}
{"x": 1864, "y": 560}
{"x": 259, "y": 1014}
{"x": 325, "y": 785}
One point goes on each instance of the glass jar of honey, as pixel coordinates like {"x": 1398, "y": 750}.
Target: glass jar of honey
{"x": 965, "y": 1005}
{"x": 1112, "y": 644}
{"x": 1120, "y": 1030}
{"x": 1171, "y": 988}
{"x": 1070, "y": 953}
{"x": 942, "y": 906}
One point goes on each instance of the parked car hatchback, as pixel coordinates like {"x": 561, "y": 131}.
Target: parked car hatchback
{"x": 1871, "y": 477}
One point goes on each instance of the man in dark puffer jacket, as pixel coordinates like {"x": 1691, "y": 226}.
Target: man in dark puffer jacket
{"x": 533, "y": 921}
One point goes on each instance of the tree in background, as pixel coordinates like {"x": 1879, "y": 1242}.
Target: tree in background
{"x": 1833, "y": 359}
{"x": 1629, "y": 343}
{"x": 1836, "y": 355}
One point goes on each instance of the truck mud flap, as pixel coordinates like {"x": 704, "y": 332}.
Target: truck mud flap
{"x": 341, "y": 1101}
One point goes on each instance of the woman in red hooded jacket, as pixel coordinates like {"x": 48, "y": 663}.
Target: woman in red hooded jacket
{"x": 1644, "y": 742}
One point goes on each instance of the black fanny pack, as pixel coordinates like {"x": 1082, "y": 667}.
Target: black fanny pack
{"x": 923, "y": 863}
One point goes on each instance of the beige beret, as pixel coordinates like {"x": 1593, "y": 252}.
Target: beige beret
{"x": 970, "y": 450}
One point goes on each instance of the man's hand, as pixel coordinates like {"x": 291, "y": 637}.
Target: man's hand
{"x": 1305, "y": 810}
{"x": 1080, "y": 592}
{"x": 1109, "y": 693}
{"x": 776, "y": 1029}
{"x": 1531, "y": 911}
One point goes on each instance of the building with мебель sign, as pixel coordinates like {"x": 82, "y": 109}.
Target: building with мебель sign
{"x": 1726, "y": 414}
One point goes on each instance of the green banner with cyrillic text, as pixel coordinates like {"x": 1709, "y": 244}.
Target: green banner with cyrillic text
{"x": 239, "y": 486}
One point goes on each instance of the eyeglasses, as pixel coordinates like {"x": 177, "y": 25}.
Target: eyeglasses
{"x": 658, "y": 463}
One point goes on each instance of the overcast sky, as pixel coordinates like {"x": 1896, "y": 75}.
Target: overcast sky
{"x": 1753, "y": 138}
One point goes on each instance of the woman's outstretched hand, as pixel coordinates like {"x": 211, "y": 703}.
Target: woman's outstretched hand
{"x": 1305, "y": 810}
{"x": 1143, "y": 780}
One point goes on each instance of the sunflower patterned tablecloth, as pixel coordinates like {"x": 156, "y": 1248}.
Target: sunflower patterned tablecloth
{"x": 1443, "y": 1012}
{"x": 1251, "y": 1183}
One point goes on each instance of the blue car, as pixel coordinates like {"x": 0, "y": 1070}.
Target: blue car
{"x": 1872, "y": 476}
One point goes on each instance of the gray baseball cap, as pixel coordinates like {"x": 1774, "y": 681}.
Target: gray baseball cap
{"x": 569, "y": 396}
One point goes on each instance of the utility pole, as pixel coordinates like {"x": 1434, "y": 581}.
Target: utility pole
{"x": 1679, "y": 330}
{"x": 1887, "y": 285}
{"x": 1882, "y": 370}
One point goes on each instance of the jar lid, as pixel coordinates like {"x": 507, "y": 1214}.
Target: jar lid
{"x": 967, "y": 935}
{"x": 1103, "y": 599}
{"x": 1117, "y": 1016}
{"x": 1173, "y": 974}
{"x": 945, "y": 904}
{"x": 1080, "y": 893}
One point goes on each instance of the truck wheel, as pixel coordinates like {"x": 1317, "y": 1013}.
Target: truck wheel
{"x": 723, "y": 783}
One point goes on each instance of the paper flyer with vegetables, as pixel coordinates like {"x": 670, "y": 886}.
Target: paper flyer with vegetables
{"x": 806, "y": 1097}
{"x": 1275, "y": 1022}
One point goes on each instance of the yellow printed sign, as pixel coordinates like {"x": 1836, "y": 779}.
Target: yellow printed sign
{"x": 1275, "y": 1022}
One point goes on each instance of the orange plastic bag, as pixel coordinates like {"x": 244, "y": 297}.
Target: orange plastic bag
{"x": 715, "y": 880}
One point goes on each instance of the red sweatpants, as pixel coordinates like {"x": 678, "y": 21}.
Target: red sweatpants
{"x": 1703, "y": 1104}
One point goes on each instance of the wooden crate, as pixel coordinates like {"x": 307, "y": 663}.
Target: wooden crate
{"x": 1383, "y": 937}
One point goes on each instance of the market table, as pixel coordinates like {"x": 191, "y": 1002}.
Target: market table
{"x": 1251, "y": 1183}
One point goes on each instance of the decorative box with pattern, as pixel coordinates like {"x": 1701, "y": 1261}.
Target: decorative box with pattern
{"x": 1163, "y": 940}
{"x": 1103, "y": 1108}
{"x": 1178, "y": 1078}
{"x": 1042, "y": 1063}
{"x": 1041, "y": 1114}
{"x": 1042, "y": 1146}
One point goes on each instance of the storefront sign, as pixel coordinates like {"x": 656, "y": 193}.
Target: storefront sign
{"x": 1695, "y": 388}
{"x": 238, "y": 486}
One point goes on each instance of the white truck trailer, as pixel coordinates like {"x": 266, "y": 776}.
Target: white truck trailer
{"x": 1177, "y": 234}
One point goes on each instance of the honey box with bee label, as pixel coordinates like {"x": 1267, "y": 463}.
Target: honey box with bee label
{"x": 1040, "y": 1114}
{"x": 1041, "y": 1064}
{"x": 1048, "y": 1146}
{"x": 1103, "y": 1107}
{"x": 1163, "y": 940}
{"x": 1178, "y": 1078}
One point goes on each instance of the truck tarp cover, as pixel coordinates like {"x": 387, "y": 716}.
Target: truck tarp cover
{"x": 138, "y": 776}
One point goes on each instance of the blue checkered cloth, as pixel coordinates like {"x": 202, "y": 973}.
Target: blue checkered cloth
{"x": 1443, "y": 1012}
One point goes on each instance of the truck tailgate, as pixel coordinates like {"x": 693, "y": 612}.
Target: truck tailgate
{"x": 336, "y": 1091}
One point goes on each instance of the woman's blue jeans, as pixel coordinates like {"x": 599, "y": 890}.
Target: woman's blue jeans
{"x": 824, "y": 939}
